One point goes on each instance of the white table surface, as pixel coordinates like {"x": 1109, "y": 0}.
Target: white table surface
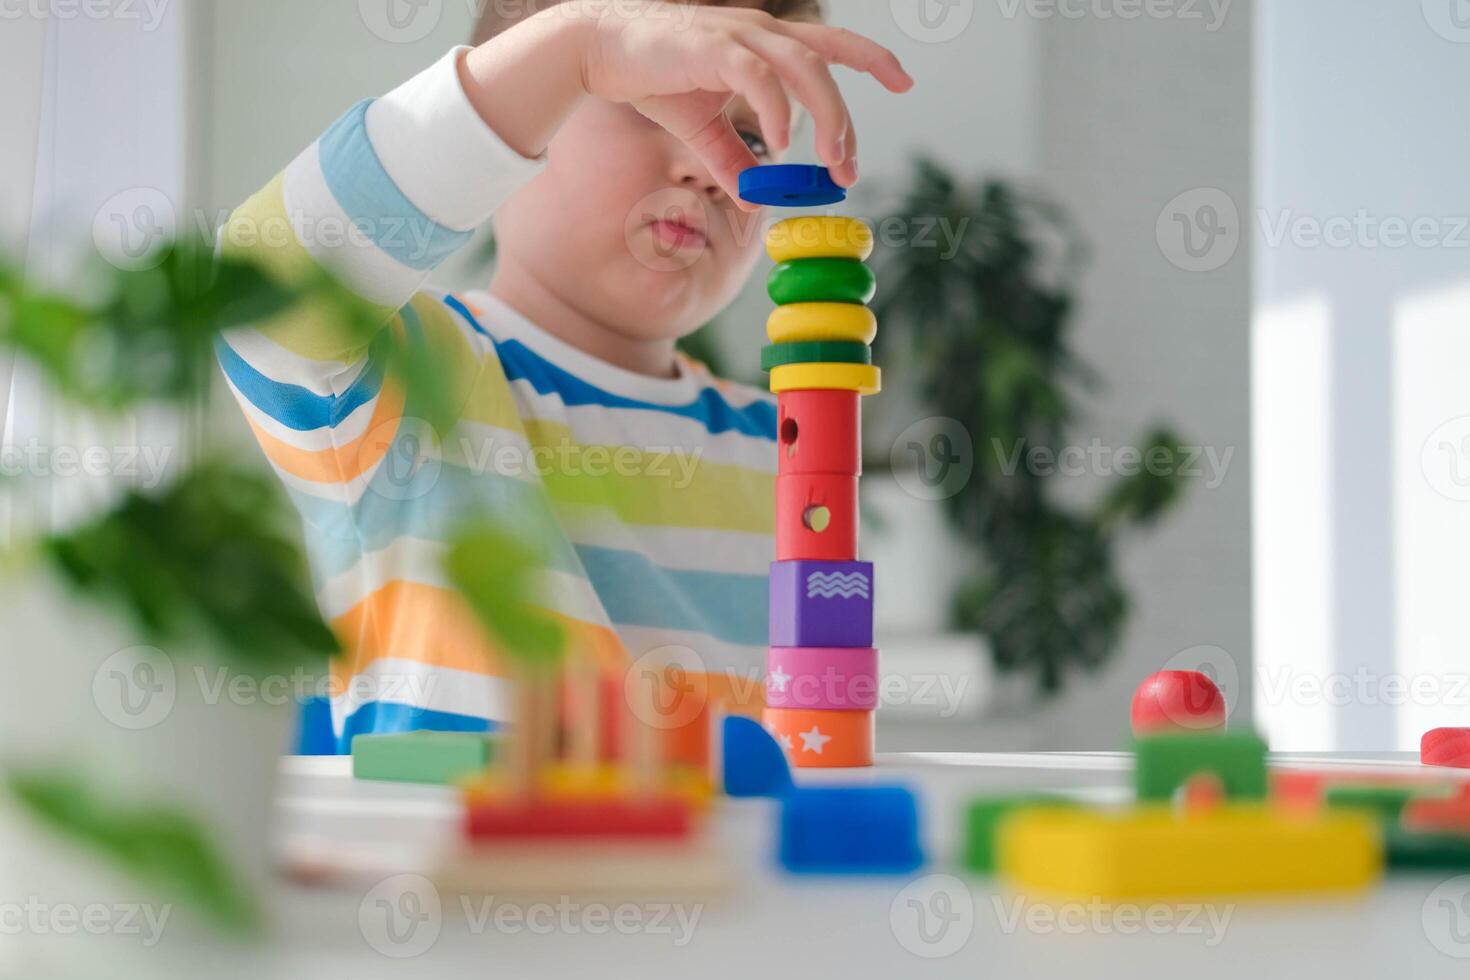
{"x": 771, "y": 924}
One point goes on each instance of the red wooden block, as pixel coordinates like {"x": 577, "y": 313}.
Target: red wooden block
{"x": 1446, "y": 747}
{"x": 1448, "y": 815}
{"x": 819, "y": 432}
{"x": 596, "y": 818}
{"x": 816, "y": 517}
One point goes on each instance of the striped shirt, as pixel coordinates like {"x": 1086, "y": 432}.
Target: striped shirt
{"x": 660, "y": 491}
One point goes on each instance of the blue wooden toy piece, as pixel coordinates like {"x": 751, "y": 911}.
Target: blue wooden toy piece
{"x": 790, "y": 185}
{"x": 752, "y": 761}
{"x": 850, "y": 830}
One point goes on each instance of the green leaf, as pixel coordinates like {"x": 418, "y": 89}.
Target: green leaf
{"x": 163, "y": 848}
{"x": 207, "y": 554}
{"x": 498, "y": 573}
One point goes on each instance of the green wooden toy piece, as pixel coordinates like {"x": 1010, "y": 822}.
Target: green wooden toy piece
{"x": 821, "y": 281}
{"x": 442, "y": 758}
{"x": 1386, "y": 802}
{"x": 983, "y": 818}
{"x": 1164, "y": 763}
{"x": 1426, "y": 851}
{"x": 815, "y": 352}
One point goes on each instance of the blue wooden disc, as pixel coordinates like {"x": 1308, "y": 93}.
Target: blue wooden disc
{"x": 790, "y": 185}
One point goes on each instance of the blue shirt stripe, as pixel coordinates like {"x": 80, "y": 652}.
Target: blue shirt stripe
{"x": 757, "y": 420}
{"x": 636, "y": 592}
{"x": 295, "y": 407}
{"x": 373, "y": 202}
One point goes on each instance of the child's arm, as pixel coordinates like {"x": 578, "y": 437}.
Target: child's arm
{"x": 680, "y": 65}
{"x": 379, "y": 201}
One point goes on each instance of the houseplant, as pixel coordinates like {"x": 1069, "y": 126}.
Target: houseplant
{"x": 980, "y": 330}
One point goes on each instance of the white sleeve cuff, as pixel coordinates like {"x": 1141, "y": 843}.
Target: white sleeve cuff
{"x": 441, "y": 154}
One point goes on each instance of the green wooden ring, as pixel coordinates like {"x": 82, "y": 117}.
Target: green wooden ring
{"x": 815, "y": 352}
{"x": 821, "y": 281}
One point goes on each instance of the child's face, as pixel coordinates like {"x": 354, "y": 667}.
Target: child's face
{"x": 626, "y": 226}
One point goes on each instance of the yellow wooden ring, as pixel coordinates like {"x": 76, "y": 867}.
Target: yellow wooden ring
{"x": 865, "y": 379}
{"x": 821, "y": 321}
{"x": 819, "y": 237}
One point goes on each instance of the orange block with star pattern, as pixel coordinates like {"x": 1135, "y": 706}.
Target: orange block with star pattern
{"x": 814, "y": 739}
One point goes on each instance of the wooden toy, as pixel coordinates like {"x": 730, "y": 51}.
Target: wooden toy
{"x": 982, "y": 822}
{"x": 865, "y": 379}
{"x": 443, "y": 758}
{"x": 1426, "y": 850}
{"x": 1177, "y": 699}
{"x": 1164, "y": 763}
{"x": 819, "y": 432}
{"x": 850, "y": 830}
{"x": 815, "y": 352}
{"x": 753, "y": 762}
{"x": 1155, "y": 853}
{"x": 1384, "y": 802}
{"x": 821, "y": 281}
{"x": 790, "y": 185}
{"x": 571, "y": 866}
{"x": 822, "y": 670}
{"x": 1307, "y": 788}
{"x": 1446, "y": 747}
{"x": 813, "y": 237}
{"x": 822, "y": 678}
{"x": 519, "y": 816}
{"x": 1443, "y": 813}
{"x": 821, "y": 604}
{"x": 821, "y": 321}
{"x": 816, "y": 517}
{"x": 823, "y": 739}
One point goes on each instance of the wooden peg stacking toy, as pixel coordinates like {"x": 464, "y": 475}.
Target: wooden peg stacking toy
{"x": 822, "y": 669}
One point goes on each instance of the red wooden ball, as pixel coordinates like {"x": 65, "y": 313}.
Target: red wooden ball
{"x": 1175, "y": 700}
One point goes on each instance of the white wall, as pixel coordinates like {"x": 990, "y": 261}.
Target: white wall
{"x": 1360, "y": 329}
{"x": 1136, "y": 112}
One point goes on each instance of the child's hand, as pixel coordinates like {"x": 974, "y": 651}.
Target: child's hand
{"x": 680, "y": 65}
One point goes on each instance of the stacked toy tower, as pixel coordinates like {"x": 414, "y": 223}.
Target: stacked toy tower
{"x": 822, "y": 668}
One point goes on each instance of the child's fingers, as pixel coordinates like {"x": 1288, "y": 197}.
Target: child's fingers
{"x": 722, "y": 151}
{"x": 850, "y": 49}
{"x": 806, "y": 74}
{"x": 845, "y": 173}
{"x": 746, "y": 73}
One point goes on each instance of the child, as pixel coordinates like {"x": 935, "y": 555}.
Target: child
{"x": 606, "y": 139}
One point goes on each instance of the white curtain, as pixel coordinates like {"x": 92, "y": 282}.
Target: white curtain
{"x": 99, "y": 112}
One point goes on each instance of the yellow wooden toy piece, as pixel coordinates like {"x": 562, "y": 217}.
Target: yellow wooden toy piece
{"x": 818, "y": 237}
{"x": 561, "y": 781}
{"x": 1154, "y": 852}
{"x": 821, "y": 321}
{"x": 865, "y": 379}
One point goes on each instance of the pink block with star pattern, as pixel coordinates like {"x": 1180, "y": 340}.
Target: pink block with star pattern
{"x": 815, "y": 739}
{"x": 822, "y": 678}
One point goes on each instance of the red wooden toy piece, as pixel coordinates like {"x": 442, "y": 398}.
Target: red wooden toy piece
{"x": 816, "y": 517}
{"x": 819, "y": 432}
{"x": 615, "y": 817}
{"x": 1446, "y": 747}
{"x": 1448, "y": 815}
{"x": 1177, "y": 700}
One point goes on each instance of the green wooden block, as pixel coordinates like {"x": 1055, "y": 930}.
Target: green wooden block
{"x": 815, "y": 352}
{"x": 1163, "y": 763}
{"x": 1426, "y": 851}
{"x": 1386, "y": 802}
{"x": 821, "y": 281}
{"x": 983, "y": 817}
{"x": 421, "y": 757}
